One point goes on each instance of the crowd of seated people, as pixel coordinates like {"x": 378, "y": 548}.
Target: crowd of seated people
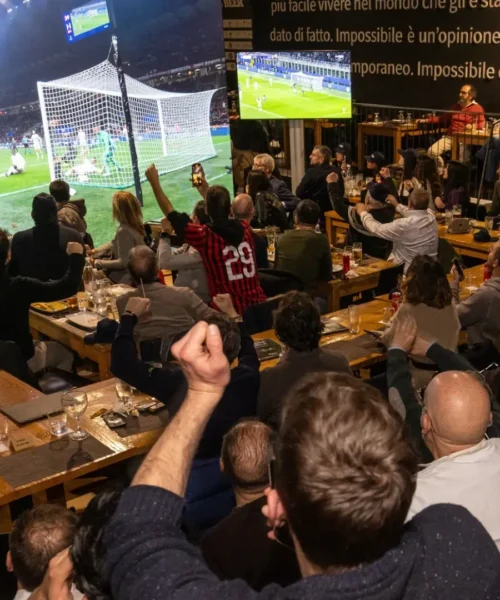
{"x": 299, "y": 481}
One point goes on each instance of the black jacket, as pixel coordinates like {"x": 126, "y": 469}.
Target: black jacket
{"x": 314, "y": 187}
{"x": 168, "y": 384}
{"x": 18, "y": 293}
{"x": 443, "y": 554}
{"x": 276, "y": 383}
{"x": 261, "y": 257}
{"x": 40, "y": 252}
{"x": 372, "y": 245}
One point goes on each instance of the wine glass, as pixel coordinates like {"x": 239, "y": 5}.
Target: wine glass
{"x": 124, "y": 393}
{"x": 74, "y": 404}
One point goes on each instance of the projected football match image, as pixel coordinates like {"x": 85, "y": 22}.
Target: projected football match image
{"x": 294, "y": 85}
{"x": 62, "y": 115}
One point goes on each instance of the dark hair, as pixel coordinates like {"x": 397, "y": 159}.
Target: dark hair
{"x": 426, "y": 283}
{"x": 44, "y": 209}
{"x": 230, "y": 334}
{"x": 88, "y": 551}
{"x": 458, "y": 177}
{"x": 419, "y": 199}
{"x": 36, "y": 537}
{"x": 346, "y": 471}
{"x": 143, "y": 264}
{"x": 426, "y": 170}
{"x": 326, "y": 153}
{"x": 4, "y": 248}
{"x": 218, "y": 203}
{"x": 245, "y": 454}
{"x": 257, "y": 181}
{"x": 308, "y": 212}
{"x": 409, "y": 166}
{"x": 297, "y": 322}
{"x": 200, "y": 213}
{"x": 59, "y": 190}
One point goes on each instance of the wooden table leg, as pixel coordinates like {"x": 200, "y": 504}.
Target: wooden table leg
{"x": 454, "y": 147}
{"x": 396, "y": 136}
{"x": 361, "y": 146}
{"x": 5, "y": 519}
{"x": 328, "y": 227}
{"x": 53, "y": 495}
{"x": 104, "y": 367}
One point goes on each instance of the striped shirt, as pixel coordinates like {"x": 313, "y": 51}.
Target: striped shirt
{"x": 231, "y": 267}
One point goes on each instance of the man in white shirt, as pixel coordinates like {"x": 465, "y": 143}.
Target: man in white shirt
{"x": 37, "y": 536}
{"x": 18, "y": 164}
{"x": 415, "y": 233}
{"x": 456, "y": 412}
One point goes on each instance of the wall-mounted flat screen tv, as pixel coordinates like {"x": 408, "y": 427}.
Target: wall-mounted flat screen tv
{"x": 295, "y": 85}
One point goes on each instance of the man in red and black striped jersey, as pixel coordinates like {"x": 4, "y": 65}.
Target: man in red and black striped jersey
{"x": 226, "y": 245}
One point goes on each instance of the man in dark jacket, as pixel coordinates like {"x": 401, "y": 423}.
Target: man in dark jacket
{"x": 375, "y": 201}
{"x": 298, "y": 326}
{"x": 40, "y": 252}
{"x": 345, "y": 478}
{"x": 168, "y": 384}
{"x": 313, "y": 185}
{"x": 18, "y": 293}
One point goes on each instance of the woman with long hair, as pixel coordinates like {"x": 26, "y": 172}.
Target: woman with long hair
{"x": 269, "y": 211}
{"x": 113, "y": 257}
{"x": 426, "y": 172}
{"x": 456, "y": 188}
{"x": 428, "y": 298}
{"x": 408, "y": 181}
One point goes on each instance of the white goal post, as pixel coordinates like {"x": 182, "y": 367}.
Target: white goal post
{"x": 85, "y": 131}
{"x": 313, "y": 82}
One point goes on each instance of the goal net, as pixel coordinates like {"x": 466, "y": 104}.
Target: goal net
{"x": 312, "y": 82}
{"x": 85, "y": 132}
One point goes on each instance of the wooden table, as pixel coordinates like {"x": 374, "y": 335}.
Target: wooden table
{"x": 371, "y": 314}
{"x": 396, "y": 131}
{"x": 474, "y": 137}
{"x": 100, "y": 395}
{"x": 59, "y": 330}
{"x": 463, "y": 243}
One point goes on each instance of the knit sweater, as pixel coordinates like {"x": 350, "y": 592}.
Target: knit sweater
{"x": 444, "y": 554}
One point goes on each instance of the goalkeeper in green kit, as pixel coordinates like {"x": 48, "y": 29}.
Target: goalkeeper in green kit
{"x": 108, "y": 157}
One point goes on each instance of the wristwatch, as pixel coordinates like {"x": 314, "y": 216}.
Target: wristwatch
{"x": 129, "y": 312}
{"x": 238, "y": 319}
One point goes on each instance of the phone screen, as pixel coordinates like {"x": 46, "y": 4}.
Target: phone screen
{"x": 196, "y": 174}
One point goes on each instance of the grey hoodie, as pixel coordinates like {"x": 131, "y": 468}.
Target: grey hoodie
{"x": 480, "y": 314}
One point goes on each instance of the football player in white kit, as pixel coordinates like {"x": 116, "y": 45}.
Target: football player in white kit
{"x": 36, "y": 140}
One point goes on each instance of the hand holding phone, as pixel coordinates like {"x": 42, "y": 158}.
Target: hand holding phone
{"x": 197, "y": 175}
{"x": 458, "y": 269}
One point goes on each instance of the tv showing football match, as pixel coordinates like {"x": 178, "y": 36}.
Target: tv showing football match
{"x": 86, "y": 20}
{"x": 294, "y": 85}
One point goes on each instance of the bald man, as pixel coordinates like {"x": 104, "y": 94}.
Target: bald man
{"x": 455, "y": 415}
{"x": 243, "y": 209}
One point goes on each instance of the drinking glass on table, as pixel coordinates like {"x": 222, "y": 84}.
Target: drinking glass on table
{"x": 58, "y": 423}
{"x": 100, "y": 302}
{"x": 4, "y": 430}
{"x": 74, "y": 404}
{"x": 457, "y": 211}
{"x": 448, "y": 217}
{"x": 387, "y": 315}
{"x": 357, "y": 252}
{"x": 83, "y": 301}
{"x": 271, "y": 239}
{"x": 354, "y": 318}
{"x": 125, "y": 392}
{"x": 489, "y": 221}
{"x": 72, "y": 302}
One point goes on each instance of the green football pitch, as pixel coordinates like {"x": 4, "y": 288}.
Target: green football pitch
{"x": 83, "y": 23}
{"x": 17, "y": 191}
{"x": 283, "y": 103}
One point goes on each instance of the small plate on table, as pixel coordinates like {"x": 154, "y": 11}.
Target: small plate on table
{"x": 85, "y": 320}
{"x": 336, "y": 269}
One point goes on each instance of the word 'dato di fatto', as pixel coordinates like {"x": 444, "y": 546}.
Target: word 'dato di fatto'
{"x": 309, "y": 6}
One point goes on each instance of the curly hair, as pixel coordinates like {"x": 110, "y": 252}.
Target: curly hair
{"x": 426, "y": 283}
{"x": 297, "y": 322}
